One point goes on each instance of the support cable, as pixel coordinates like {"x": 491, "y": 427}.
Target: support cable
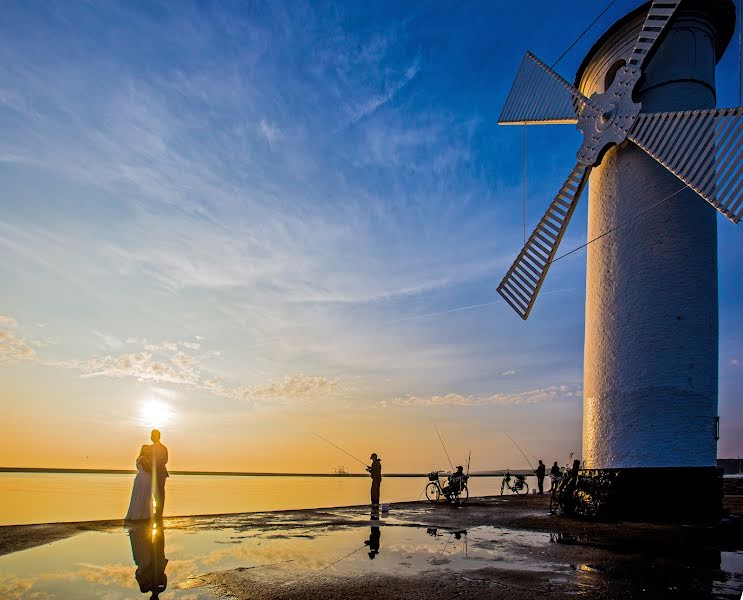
{"x": 568, "y": 253}
{"x": 585, "y": 31}
{"x": 630, "y": 220}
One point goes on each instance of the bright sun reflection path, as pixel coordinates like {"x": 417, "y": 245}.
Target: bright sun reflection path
{"x": 156, "y": 413}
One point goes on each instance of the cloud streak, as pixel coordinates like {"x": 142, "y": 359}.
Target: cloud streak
{"x": 550, "y": 394}
{"x": 168, "y": 363}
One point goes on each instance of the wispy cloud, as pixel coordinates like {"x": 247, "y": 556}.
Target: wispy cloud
{"x": 13, "y": 347}
{"x": 551, "y": 394}
{"x": 290, "y": 389}
{"x": 269, "y": 131}
{"x": 392, "y": 88}
{"x": 168, "y": 363}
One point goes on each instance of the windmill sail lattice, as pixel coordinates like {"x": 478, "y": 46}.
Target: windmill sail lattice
{"x": 540, "y": 96}
{"x": 521, "y": 284}
{"x": 703, "y": 148}
{"x": 658, "y": 17}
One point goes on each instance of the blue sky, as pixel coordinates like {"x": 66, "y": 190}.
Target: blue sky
{"x": 266, "y": 216}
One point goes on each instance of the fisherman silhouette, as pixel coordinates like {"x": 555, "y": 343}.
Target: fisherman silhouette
{"x": 541, "y": 470}
{"x": 148, "y": 552}
{"x": 373, "y": 542}
{"x": 454, "y": 484}
{"x": 554, "y": 474}
{"x": 375, "y": 470}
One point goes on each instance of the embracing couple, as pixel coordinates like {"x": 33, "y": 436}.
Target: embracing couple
{"x": 148, "y": 493}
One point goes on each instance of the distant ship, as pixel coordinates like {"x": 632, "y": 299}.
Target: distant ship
{"x": 340, "y": 471}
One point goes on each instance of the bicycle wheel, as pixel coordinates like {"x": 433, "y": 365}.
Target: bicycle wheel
{"x": 463, "y": 495}
{"x": 522, "y": 489}
{"x": 553, "y": 501}
{"x": 502, "y": 486}
{"x": 556, "y": 498}
{"x": 433, "y": 492}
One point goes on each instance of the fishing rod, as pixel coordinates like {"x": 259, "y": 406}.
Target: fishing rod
{"x": 567, "y": 464}
{"x": 468, "y": 462}
{"x": 444, "y": 447}
{"x": 325, "y": 568}
{"x": 520, "y": 450}
{"x": 341, "y": 449}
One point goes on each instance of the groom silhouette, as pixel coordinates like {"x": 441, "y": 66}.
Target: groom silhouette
{"x": 159, "y": 472}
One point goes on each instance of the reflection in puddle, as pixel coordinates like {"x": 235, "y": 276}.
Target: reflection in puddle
{"x": 122, "y": 563}
{"x": 375, "y": 539}
{"x": 148, "y": 551}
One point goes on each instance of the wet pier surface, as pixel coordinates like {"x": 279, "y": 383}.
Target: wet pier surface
{"x": 491, "y": 548}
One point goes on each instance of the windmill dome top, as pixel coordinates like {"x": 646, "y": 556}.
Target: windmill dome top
{"x": 618, "y": 40}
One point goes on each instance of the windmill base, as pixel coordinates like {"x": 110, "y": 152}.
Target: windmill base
{"x": 660, "y": 494}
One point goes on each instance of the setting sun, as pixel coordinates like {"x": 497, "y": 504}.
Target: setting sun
{"x": 156, "y": 413}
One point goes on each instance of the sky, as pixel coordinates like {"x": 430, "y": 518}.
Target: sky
{"x": 248, "y": 222}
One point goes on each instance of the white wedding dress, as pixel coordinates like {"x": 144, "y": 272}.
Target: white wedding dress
{"x": 140, "y": 506}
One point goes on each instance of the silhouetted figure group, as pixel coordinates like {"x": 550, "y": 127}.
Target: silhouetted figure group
{"x": 555, "y": 474}
{"x": 148, "y": 502}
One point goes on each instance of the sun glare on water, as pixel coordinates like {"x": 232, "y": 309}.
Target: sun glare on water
{"x": 156, "y": 413}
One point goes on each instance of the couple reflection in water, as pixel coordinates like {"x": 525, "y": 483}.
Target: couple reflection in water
{"x": 148, "y": 551}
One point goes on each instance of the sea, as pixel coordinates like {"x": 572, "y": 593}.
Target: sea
{"x": 27, "y": 498}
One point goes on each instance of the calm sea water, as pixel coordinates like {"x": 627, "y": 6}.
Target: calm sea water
{"x": 55, "y": 497}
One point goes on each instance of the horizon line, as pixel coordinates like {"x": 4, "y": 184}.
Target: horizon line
{"x": 62, "y": 470}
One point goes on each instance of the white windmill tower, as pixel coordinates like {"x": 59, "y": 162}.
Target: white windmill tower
{"x": 646, "y": 89}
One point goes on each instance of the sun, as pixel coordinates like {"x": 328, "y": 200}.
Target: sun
{"x": 156, "y": 413}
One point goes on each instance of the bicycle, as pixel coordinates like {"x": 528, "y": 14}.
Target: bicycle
{"x": 564, "y": 496}
{"x": 459, "y": 495}
{"x": 519, "y": 485}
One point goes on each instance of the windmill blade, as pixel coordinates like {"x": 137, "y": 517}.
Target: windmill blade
{"x": 703, "y": 148}
{"x": 524, "y": 279}
{"x": 539, "y": 96}
{"x": 653, "y": 28}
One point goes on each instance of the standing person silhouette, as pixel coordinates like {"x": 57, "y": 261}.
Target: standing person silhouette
{"x": 375, "y": 470}
{"x": 541, "y": 470}
{"x": 140, "y": 505}
{"x": 554, "y": 474}
{"x": 159, "y": 472}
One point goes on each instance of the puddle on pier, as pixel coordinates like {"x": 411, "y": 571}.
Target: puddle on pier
{"x": 121, "y": 564}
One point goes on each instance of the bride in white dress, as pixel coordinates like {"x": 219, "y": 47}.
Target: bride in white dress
{"x": 140, "y": 506}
